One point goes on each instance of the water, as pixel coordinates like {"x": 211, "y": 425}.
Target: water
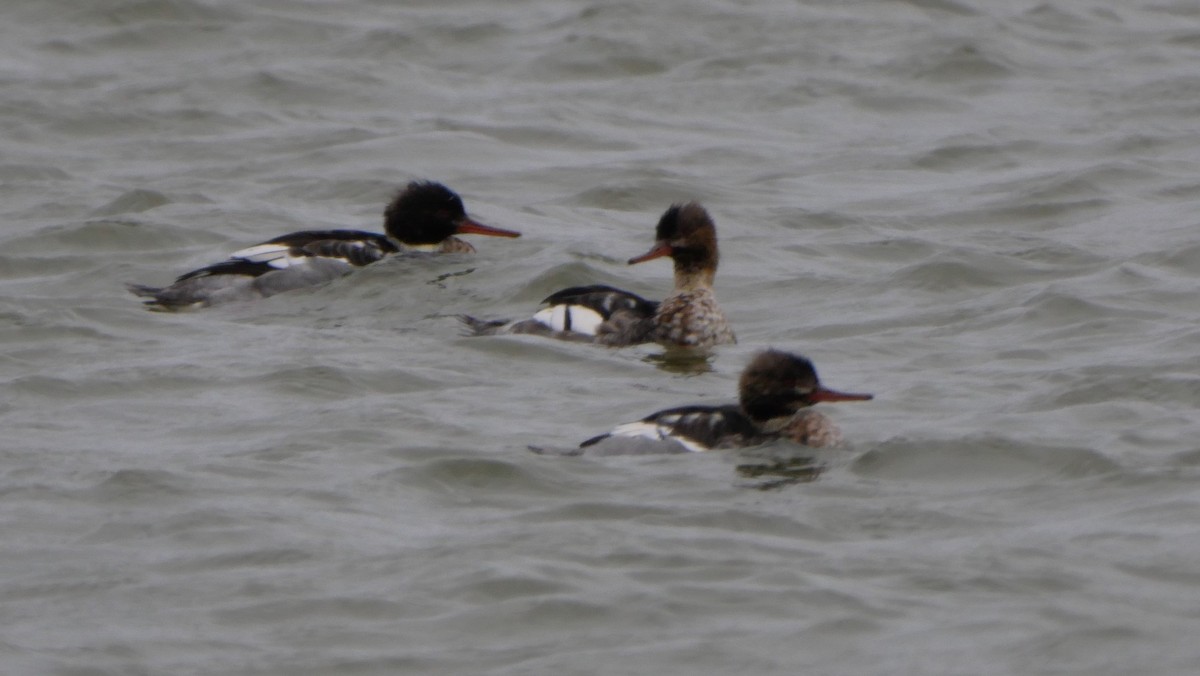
{"x": 984, "y": 213}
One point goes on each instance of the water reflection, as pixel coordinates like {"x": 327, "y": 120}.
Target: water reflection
{"x": 774, "y": 470}
{"x": 682, "y": 361}
{"x": 440, "y": 281}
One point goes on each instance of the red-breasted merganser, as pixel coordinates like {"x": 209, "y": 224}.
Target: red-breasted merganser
{"x": 689, "y": 317}
{"x": 424, "y": 216}
{"x": 774, "y": 392}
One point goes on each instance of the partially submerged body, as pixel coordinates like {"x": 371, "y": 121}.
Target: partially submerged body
{"x": 775, "y": 392}
{"x": 422, "y": 217}
{"x": 689, "y": 317}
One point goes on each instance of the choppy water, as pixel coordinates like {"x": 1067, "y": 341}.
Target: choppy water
{"x": 983, "y": 212}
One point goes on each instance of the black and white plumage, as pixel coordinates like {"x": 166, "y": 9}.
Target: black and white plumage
{"x": 424, "y": 216}
{"x": 596, "y": 313}
{"x": 684, "y": 429}
{"x": 774, "y": 393}
{"x": 689, "y": 317}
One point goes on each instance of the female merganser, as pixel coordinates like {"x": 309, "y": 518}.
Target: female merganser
{"x": 424, "y": 216}
{"x": 774, "y": 393}
{"x": 689, "y": 317}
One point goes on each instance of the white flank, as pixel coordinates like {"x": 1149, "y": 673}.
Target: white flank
{"x": 645, "y": 430}
{"x": 582, "y": 319}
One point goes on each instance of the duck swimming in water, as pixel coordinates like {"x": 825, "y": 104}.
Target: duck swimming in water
{"x": 423, "y": 216}
{"x": 775, "y": 393}
{"x": 689, "y": 317}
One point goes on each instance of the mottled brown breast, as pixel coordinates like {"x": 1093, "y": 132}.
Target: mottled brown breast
{"x": 692, "y": 319}
{"x": 811, "y": 428}
{"x": 455, "y": 245}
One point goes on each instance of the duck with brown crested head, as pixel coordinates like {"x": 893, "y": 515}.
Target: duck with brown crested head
{"x": 423, "y": 216}
{"x": 689, "y": 317}
{"x": 775, "y": 393}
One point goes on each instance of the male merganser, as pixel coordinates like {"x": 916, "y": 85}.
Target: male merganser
{"x": 424, "y": 216}
{"x": 689, "y": 317}
{"x": 774, "y": 393}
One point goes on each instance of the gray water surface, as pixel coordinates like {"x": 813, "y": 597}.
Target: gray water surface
{"x": 983, "y": 212}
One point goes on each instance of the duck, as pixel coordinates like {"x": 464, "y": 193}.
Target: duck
{"x": 689, "y": 317}
{"x": 776, "y": 391}
{"x": 424, "y": 216}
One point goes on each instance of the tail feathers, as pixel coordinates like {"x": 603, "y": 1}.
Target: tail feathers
{"x": 160, "y": 298}
{"x": 473, "y": 326}
{"x": 595, "y": 440}
{"x": 144, "y": 291}
{"x": 561, "y": 452}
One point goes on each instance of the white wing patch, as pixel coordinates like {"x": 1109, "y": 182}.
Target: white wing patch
{"x": 656, "y": 432}
{"x": 278, "y": 255}
{"x": 576, "y": 318}
{"x": 275, "y": 255}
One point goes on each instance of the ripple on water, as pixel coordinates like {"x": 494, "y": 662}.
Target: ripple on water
{"x": 1188, "y": 459}
{"x": 496, "y": 585}
{"x": 1182, "y": 260}
{"x": 467, "y": 478}
{"x": 133, "y": 201}
{"x": 557, "y": 139}
{"x": 588, "y": 511}
{"x": 116, "y": 235}
{"x": 964, "y": 63}
{"x": 582, "y": 57}
{"x": 945, "y": 275}
{"x": 82, "y": 381}
{"x": 962, "y": 156}
{"x": 329, "y": 609}
{"x": 250, "y": 557}
{"x": 1114, "y": 383}
{"x": 982, "y": 461}
{"x": 138, "y": 485}
{"x": 893, "y": 249}
{"x": 659, "y": 188}
{"x": 1057, "y": 309}
{"x": 318, "y": 382}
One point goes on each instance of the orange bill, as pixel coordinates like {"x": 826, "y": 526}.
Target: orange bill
{"x": 660, "y": 249}
{"x": 823, "y": 394}
{"x": 467, "y": 226}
